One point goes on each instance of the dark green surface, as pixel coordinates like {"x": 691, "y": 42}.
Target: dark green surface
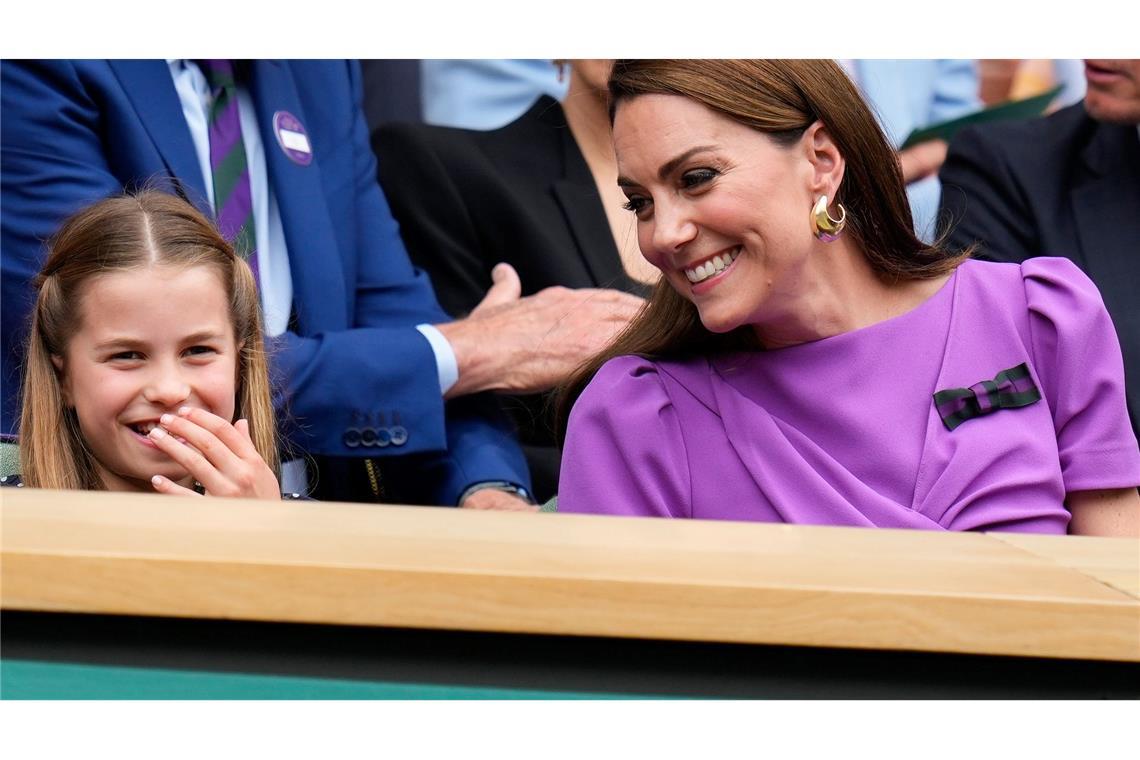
{"x": 75, "y": 656}
{"x": 27, "y": 679}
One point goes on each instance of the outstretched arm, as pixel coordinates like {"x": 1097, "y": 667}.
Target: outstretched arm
{"x": 527, "y": 345}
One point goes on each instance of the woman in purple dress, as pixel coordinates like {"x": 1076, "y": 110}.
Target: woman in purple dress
{"x": 805, "y": 359}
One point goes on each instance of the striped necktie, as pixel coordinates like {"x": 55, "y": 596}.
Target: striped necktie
{"x": 233, "y": 202}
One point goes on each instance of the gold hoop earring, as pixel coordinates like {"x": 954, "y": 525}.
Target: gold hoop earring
{"x": 826, "y": 228}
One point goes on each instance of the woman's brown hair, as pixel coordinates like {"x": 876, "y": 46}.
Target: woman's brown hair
{"x": 780, "y": 98}
{"x": 130, "y": 232}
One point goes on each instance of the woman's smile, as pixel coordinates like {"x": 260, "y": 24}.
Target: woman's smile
{"x": 712, "y": 266}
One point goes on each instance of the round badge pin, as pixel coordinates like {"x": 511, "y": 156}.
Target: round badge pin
{"x": 292, "y": 138}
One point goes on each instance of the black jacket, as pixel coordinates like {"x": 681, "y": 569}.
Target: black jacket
{"x": 468, "y": 199}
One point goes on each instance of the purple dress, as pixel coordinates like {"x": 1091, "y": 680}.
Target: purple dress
{"x": 846, "y": 430}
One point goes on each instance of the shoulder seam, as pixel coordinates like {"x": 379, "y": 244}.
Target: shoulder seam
{"x": 681, "y": 430}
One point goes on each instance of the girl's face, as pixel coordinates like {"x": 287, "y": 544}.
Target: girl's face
{"x": 722, "y": 210}
{"x": 150, "y": 341}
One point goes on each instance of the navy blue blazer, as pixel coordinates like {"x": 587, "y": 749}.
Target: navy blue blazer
{"x": 74, "y": 132}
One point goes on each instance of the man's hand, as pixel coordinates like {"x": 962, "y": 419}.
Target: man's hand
{"x": 528, "y": 345}
{"x": 491, "y": 498}
{"x": 922, "y": 160}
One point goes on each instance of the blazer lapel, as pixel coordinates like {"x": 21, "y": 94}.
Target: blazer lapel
{"x": 318, "y": 279}
{"x": 149, "y": 87}
{"x": 577, "y": 195}
{"x": 595, "y": 243}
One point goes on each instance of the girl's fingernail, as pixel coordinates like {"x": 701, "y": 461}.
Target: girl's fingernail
{"x": 156, "y": 480}
{"x": 157, "y": 433}
{"x": 184, "y": 411}
{"x": 166, "y": 419}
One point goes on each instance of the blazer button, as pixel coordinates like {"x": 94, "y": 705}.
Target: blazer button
{"x": 399, "y": 435}
{"x": 383, "y": 437}
{"x": 368, "y": 436}
{"x": 351, "y": 437}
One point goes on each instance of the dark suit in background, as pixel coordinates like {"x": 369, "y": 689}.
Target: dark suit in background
{"x": 466, "y": 200}
{"x": 391, "y": 91}
{"x": 1065, "y": 185}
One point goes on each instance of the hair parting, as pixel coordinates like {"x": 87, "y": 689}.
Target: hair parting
{"x": 124, "y": 233}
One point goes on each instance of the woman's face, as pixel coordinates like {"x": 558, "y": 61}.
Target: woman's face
{"x": 722, "y": 210}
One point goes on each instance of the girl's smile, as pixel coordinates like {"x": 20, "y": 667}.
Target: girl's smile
{"x": 150, "y": 341}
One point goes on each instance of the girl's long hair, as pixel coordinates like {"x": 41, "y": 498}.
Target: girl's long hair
{"x": 129, "y": 232}
{"x": 780, "y": 98}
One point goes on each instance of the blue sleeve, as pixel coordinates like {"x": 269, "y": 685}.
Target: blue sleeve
{"x": 384, "y": 366}
{"x": 52, "y": 163}
{"x": 956, "y": 89}
{"x": 953, "y": 92}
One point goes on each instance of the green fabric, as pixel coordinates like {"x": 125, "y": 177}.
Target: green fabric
{"x": 9, "y": 459}
{"x": 26, "y": 679}
{"x": 228, "y": 171}
{"x": 550, "y": 506}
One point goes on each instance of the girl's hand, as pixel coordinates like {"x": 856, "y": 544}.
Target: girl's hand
{"x": 217, "y": 454}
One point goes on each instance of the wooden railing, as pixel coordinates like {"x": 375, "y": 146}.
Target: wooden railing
{"x": 1066, "y": 597}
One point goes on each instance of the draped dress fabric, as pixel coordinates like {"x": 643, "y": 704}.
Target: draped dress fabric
{"x": 844, "y": 430}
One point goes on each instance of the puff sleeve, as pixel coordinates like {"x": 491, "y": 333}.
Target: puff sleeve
{"x": 624, "y": 452}
{"x": 1077, "y": 357}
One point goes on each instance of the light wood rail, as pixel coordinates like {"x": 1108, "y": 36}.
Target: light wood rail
{"x": 355, "y": 564}
{"x": 1116, "y": 563}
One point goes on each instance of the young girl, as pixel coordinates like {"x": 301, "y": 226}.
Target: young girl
{"x": 145, "y": 367}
